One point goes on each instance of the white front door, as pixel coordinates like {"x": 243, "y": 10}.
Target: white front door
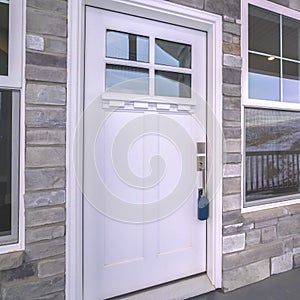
{"x": 145, "y": 110}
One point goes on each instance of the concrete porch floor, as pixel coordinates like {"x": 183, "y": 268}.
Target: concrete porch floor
{"x": 278, "y": 287}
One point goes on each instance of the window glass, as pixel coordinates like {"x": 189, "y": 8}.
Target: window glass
{"x": 172, "y": 84}
{"x": 172, "y": 54}
{"x": 4, "y": 21}
{"x": 264, "y": 31}
{"x": 264, "y": 78}
{"x": 5, "y": 162}
{"x": 291, "y": 38}
{"x": 272, "y": 165}
{"x": 127, "y": 46}
{"x": 291, "y": 82}
{"x": 127, "y": 79}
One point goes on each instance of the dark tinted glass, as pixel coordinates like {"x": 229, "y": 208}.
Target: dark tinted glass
{"x": 264, "y": 31}
{"x": 4, "y": 38}
{"x": 291, "y": 82}
{"x": 5, "y": 162}
{"x": 291, "y": 38}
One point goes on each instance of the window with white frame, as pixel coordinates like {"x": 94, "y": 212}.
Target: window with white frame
{"x": 271, "y": 111}
{"x": 10, "y": 85}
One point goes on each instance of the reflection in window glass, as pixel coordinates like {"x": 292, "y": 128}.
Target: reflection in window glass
{"x": 172, "y": 84}
{"x": 264, "y": 78}
{"x": 127, "y": 46}
{"x": 5, "y": 162}
{"x": 4, "y": 38}
{"x": 291, "y": 38}
{"x": 291, "y": 82}
{"x": 264, "y": 31}
{"x": 272, "y": 166}
{"x": 172, "y": 54}
{"x": 126, "y": 79}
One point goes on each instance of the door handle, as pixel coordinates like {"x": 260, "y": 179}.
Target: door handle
{"x": 203, "y": 203}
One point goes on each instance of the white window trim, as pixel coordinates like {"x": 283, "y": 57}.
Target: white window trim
{"x": 252, "y": 103}
{"x": 17, "y": 10}
{"x": 167, "y": 12}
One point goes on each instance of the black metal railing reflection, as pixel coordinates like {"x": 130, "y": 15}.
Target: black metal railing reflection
{"x": 272, "y": 172}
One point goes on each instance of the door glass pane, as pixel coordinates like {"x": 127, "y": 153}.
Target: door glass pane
{"x": 264, "y": 77}
{"x": 272, "y": 153}
{"x": 126, "y": 79}
{"x": 264, "y": 31}
{"x": 172, "y": 84}
{"x": 4, "y": 18}
{"x": 291, "y": 38}
{"x": 5, "y": 162}
{"x": 127, "y": 46}
{"x": 291, "y": 82}
{"x": 172, "y": 54}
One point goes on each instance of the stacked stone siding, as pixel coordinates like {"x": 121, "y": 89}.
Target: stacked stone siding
{"x": 39, "y": 271}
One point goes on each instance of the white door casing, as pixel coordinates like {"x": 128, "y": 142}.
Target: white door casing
{"x": 136, "y": 256}
{"x": 158, "y": 10}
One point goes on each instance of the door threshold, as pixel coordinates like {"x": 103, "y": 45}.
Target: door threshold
{"x": 176, "y": 290}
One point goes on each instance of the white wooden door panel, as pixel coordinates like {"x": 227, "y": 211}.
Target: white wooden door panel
{"x": 119, "y": 256}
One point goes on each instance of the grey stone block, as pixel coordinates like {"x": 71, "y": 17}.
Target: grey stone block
{"x": 254, "y": 254}
{"x": 231, "y": 90}
{"x": 289, "y": 227}
{"x": 56, "y": 6}
{"x": 294, "y": 209}
{"x": 237, "y": 228}
{"x": 46, "y": 60}
{"x": 282, "y": 263}
{"x": 46, "y": 137}
{"x": 288, "y": 244}
{"x": 23, "y": 272}
{"x": 56, "y": 296}
{"x": 45, "y": 156}
{"x": 231, "y": 115}
{"x": 39, "y": 117}
{"x": 232, "y": 133}
{"x": 266, "y": 223}
{"x": 199, "y": 4}
{"x": 39, "y": 179}
{"x": 32, "y": 290}
{"x": 230, "y": 8}
{"x": 253, "y": 237}
{"x": 232, "y": 158}
{"x": 268, "y": 234}
{"x": 234, "y": 243}
{"x": 296, "y": 261}
{"x": 281, "y": 2}
{"x": 45, "y": 249}
{"x": 55, "y": 45}
{"x": 232, "y": 61}
{"x": 35, "y": 42}
{"x": 246, "y": 275}
{"x": 232, "y": 170}
{"x": 297, "y": 241}
{"x": 231, "y": 217}
{"x": 232, "y": 28}
{"x": 264, "y": 215}
{"x": 38, "y": 199}
{"x": 51, "y": 267}
{"x": 232, "y": 76}
{"x": 44, "y": 233}
{"x": 231, "y": 185}
{"x": 233, "y": 145}
{"x": 11, "y": 260}
{"x": 227, "y": 37}
{"x": 231, "y": 202}
{"x": 44, "y": 216}
{"x": 45, "y": 94}
{"x": 49, "y": 74}
{"x": 43, "y": 22}
{"x": 232, "y": 103}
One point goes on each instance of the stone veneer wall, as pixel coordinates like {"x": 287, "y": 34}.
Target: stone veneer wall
{"x": 39, "y": 271}
{"x": 259, "y": 244}
{"x": 256, "y": 245}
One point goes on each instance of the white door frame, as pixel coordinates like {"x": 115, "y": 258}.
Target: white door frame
{"x": 162, "y": 11}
